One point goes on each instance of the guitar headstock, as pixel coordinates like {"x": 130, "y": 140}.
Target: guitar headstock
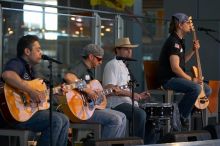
{"x": 191, "y": 24}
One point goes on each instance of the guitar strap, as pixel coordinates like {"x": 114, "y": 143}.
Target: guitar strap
{"x": 91, "y": 73}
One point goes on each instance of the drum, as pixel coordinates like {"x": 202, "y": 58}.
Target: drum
{"x": 158, "y": 110}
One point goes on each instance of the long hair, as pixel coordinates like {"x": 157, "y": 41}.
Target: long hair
{"x": 25, "y": 42}
{"x": 173, "y": 25}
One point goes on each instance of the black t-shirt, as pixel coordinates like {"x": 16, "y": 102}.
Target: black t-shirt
{"x": 173, "y": 46}
{"x": 21, "y": 67}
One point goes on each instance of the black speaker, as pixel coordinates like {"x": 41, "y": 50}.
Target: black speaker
{"x": 185, "y": 136}
{"x": 115, "y": 142}
{"x": 214, "y": 131}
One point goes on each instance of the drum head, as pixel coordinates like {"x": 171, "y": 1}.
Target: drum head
{"x": 158, "y": 110}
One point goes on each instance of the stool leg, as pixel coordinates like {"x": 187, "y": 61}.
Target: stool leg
{"x": 190, "y": 122}
{"x": 13, "y": 140}
{"x": 9, "y": 140}
{"x": 74, "y": 135}
{"x": 97, "y": 132}
{"x": 24, "y": 139}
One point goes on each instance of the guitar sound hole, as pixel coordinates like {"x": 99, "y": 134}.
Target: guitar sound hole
{"x": 24, "y": 100}
{"x": 90, "y": 104}
{"x": 89, "y": 100}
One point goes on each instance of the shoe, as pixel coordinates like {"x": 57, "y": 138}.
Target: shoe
{"x": 89, "y": 136}
{"x": 184, "y": 122}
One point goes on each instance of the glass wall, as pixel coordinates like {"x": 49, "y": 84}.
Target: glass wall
{"x": 64, "y": 31}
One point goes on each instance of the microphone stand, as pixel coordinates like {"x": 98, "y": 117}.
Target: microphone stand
{"x": 210, "y": 35}
{"x": 51, "y": 101}
{"x": 50, "y": 60}
{"x": 132, "y": 85}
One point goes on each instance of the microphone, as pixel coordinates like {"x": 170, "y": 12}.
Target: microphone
{"x": 206, "y": 29}
{"x": 125, "y": 58}
{"x": 45, "y": 57}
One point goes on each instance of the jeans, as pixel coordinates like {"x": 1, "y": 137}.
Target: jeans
{"x": 40, "y": 122}
{"x": 139, "y": 117}
{"x": 191, "y": 91}
{"x": 113, "y": 122}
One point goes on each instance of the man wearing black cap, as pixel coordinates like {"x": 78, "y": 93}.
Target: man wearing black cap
{"x": 113, "y": 122}
{"x": 172, "y": 66}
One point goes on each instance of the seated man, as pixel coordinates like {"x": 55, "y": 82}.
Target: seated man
{"x": 113, "y": 122}
{"x": 17, "y": 73}
{"x": 116, "y": 74}
{"x": 172, "y": 66}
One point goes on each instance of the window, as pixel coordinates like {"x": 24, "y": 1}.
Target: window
{"x": 41, "y": 21}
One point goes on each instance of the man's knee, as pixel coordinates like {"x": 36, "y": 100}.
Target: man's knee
{"x": 140, "y": 114}
{"x": 118, "y": 119}
{"x": 197, "y": 89}
{"x": 60, "y": 119}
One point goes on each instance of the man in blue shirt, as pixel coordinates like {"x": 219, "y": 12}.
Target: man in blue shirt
{"x": 16, "y": 74}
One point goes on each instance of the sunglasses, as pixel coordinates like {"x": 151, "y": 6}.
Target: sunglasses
{"x": 98, "y": 58}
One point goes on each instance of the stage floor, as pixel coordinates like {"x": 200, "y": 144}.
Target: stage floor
{"x": 215, "y": 142}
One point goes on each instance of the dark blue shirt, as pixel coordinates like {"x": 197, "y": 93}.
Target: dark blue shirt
{"x": 21, "y": 67}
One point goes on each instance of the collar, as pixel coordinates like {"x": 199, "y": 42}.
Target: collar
{"x": 24, "y": 61}
{"x": 177, "y": 37}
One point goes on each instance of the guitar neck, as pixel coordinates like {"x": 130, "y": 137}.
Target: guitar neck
{"x": 197, "y": 58}
{"x": 110, "y": 90}
{"x": 198, "y": 64}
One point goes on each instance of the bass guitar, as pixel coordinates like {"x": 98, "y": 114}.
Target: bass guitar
{"x": 202, "y": 101}
{"x": 78, "y": 106}
{"x": 16, "y": 105}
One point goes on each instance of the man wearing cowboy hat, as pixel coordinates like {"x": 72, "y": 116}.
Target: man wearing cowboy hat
{"x": 116, "y": 74}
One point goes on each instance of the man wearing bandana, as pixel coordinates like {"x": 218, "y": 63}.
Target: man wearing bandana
{"x": 172, "y": 61}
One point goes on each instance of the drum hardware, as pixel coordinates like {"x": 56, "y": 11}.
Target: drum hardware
{"x": 158, "y": 110}
{"x": 158, "y": 114}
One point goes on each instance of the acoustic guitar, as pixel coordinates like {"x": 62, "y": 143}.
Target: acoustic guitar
{"x": 78, "y": 106}
{"x": 202, "y": 101}
{"x": 16, "y": 105}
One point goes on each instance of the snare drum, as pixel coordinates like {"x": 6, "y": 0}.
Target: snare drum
{"x": 158, "y": 110}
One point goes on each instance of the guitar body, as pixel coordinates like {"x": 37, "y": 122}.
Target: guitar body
{"x": 77, "y": 106}
{"x": 101, "y": 102}
{"x": 202, "y": 101}
{"x": 15, "y": 104}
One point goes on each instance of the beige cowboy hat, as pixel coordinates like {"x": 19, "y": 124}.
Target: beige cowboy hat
{"x": 124, "y": 42}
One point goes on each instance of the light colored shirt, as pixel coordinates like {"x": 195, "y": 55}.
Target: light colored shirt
{"x": 116, "y": 73}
